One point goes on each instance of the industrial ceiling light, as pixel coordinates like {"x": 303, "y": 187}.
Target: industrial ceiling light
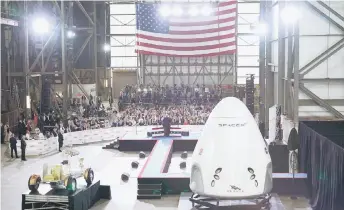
{"x": 193, "y": 11}
{"x": 177, "y": 11}
{"x": 70, "y": 34}
{"x": 165, "y": 11}
{"x": 40, "y": 26}
{"x": 290, "y": 15}
{"x": 106, "y": 47}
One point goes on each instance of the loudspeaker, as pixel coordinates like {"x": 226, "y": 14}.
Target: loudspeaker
{"x": 293, "y": 140}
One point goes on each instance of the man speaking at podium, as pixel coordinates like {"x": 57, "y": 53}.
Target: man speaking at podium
{"x": 166, "y": 124}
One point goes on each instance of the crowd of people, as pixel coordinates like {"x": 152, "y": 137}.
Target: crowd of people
{"x": 165, "y": 95}
{"x": 142, "y": 115}
{"x": 82, "y": 114}
{"x": 148, "y": 105}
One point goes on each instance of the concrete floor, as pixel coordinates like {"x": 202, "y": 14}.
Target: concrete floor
{"x": 108, "y": 166}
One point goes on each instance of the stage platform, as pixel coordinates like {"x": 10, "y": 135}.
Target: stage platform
{"x": 185, "y": 204}
{"x": 156, "y": 177}
{"x": 82, "y": 199}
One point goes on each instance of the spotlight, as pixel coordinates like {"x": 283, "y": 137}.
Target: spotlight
{"x": 106, "y": 47}
{"x": 70, "y": 34}
{"x": 206, "y": 10}
{"x": 290, "y": 15}
{"x": 193, "y": 11}
{"x": 40, "y": 26}
{"x": 165, "y": 11}
{"x": 177, "y": 11}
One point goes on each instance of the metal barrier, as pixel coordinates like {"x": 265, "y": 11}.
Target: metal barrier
{"x": 11, "y": 118}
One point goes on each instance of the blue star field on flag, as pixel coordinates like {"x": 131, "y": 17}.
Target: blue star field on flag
{"x": 148, "y": 18}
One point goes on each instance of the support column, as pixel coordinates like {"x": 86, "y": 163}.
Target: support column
{"x": 63, "y": 67}
{"x": 143, "y": 69}
{"x": 281, "y": 58}
{"x": 69, "y": 20}
{"x": 269, "y": 94}
{"x": 296, "y": 74}
{"x": 107, "y": 54}
{"x": 95, "y": 48}
{"x": 262, "y": 45}
{"x": 26, "y": 62}
{"x": 288, "y": 87}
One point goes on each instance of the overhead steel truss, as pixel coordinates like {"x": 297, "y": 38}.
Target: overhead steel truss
{"x": 55, "y": 55}
{"x": 290, "y": 84}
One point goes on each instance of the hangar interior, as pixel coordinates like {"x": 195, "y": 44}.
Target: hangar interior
{"x": 294, "y": 49}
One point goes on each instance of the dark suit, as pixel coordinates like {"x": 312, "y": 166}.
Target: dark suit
{"x": 13, "y": 143}
{"x": 166, "y": 123}
{"x": 60, "y": 139}
{"x": 23, "y": 148}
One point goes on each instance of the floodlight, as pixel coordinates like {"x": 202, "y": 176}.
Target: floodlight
{"x": 165, "y": 11}
{"x": 106, "y": 47}
{"x": 70, "y": 34}
{"x": 41, "y": 26}
{"x": 290, "y": 15}
{"x": 193, "y": 11}
{"x": 206, "y": 10}
{"x": 177, "y": 11}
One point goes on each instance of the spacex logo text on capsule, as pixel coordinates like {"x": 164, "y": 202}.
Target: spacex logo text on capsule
{"x": 232, "y": 125}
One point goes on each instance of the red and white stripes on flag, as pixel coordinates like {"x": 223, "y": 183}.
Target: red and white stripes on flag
{"x": 198, "y": 36}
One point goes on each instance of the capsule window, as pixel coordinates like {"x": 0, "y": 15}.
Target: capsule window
{"x": 218, "y": 170}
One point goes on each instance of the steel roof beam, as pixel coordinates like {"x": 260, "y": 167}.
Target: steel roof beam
{"x": 324, "y": 15}
{"x": 331, "y": 10}
{"x": 328, "y": 54}
{"x": 85, "y": 12}
{"x": 321, "y": 102}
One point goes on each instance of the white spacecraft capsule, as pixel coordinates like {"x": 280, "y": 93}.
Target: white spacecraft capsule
{"x": 231, "y": 159}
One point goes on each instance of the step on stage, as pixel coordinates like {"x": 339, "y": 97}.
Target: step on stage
{"x": 82, "y": 199}
{"x": 155, "y": 179}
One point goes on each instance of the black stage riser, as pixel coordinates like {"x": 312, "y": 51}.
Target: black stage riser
{"x": 281, "y": 186}
{"x": 149, "y": 186}
{"x": 184, "y": 145}
{"x": 136, "y": 145}
{"x": 149, "y": 197}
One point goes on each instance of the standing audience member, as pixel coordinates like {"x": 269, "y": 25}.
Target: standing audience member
{"x": 2, "y": 133}
{"x": 21, "y": 129}
{"x": 23, "y": 148}
{"x": 7, "y": 132}
{"x": 60, "y": 139}
{"x": 13, "y": 143}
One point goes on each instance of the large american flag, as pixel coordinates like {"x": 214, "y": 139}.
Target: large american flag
{"x": 202, "y": 35}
